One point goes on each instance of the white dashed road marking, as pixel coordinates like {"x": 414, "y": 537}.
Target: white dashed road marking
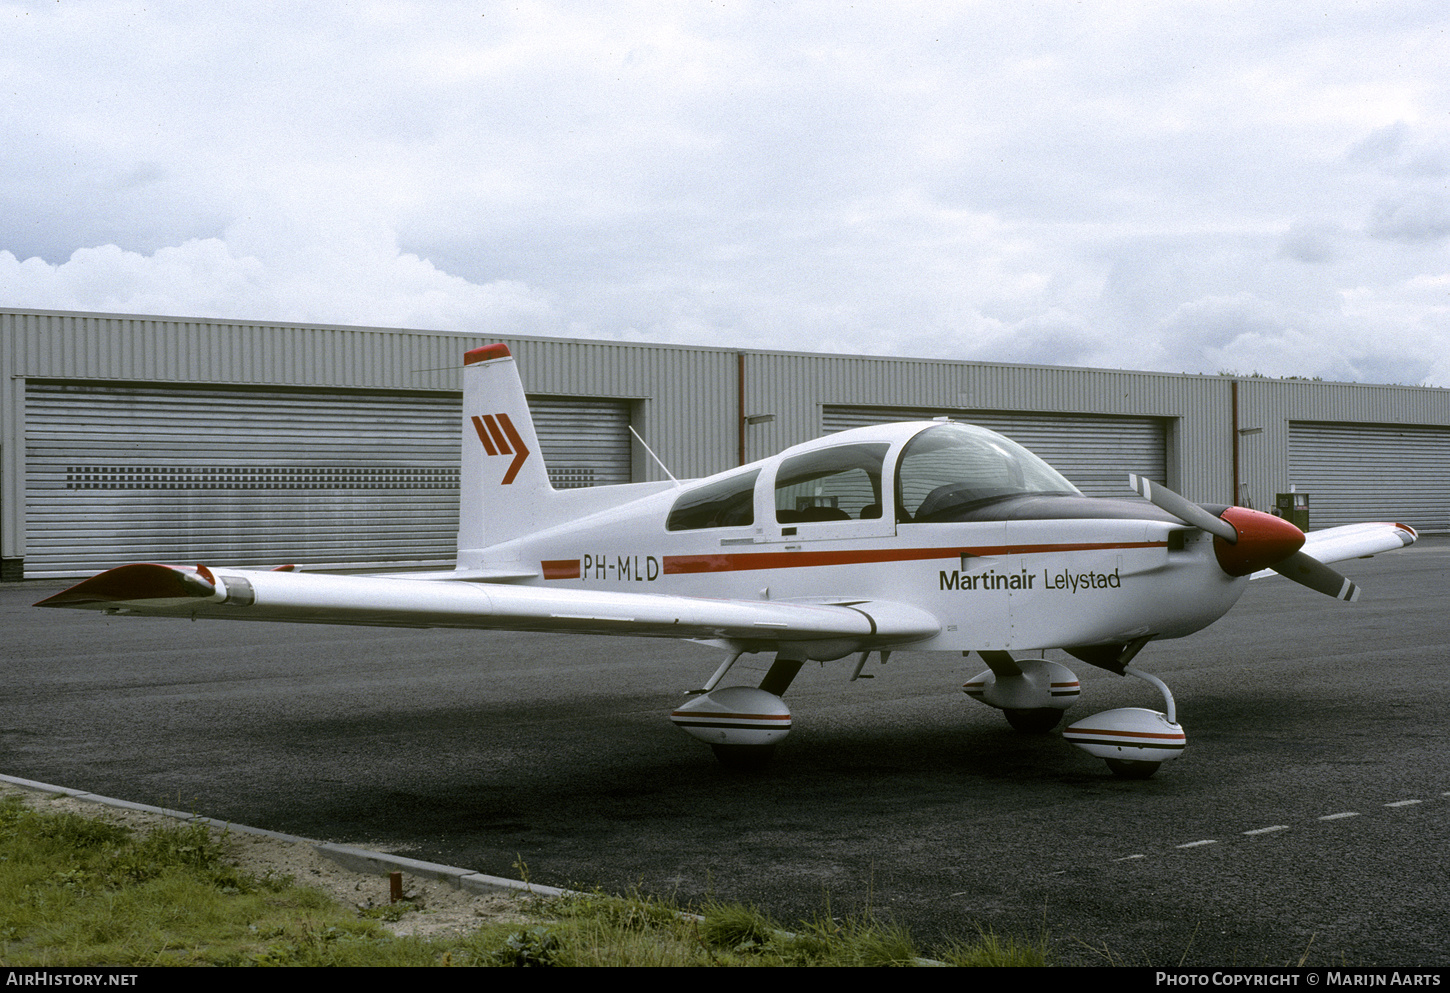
{"x": 1275, "y": 828}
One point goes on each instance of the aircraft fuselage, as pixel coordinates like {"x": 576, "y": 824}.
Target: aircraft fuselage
{"x": 995, "y": 585}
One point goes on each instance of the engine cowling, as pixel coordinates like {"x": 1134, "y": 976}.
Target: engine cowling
{"x": 735, "y": 715}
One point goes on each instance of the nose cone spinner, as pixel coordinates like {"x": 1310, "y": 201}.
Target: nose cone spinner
{"x": 1264, "y": 540}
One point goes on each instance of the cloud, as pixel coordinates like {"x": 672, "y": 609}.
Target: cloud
{"x": 1074, "y": 183}
{"x": 1398, "y": 149}
{"x": 1411, "y": 217}
{"x": 1311, "y": 243}
{"x": 1381, "y": 145}
{"x": 1397, "y": 335}
{"x": 263, "y": 271}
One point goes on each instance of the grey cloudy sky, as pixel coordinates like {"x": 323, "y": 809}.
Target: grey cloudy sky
{"x": 1189, "y": 187}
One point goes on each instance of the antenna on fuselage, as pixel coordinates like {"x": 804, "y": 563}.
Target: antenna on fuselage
{"x": 653, "y": 455}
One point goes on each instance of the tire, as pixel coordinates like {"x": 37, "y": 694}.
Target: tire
{"x": 743, "y": 758}
{"x": 1132, "y": 769}
{"x": 1038, "y": 720}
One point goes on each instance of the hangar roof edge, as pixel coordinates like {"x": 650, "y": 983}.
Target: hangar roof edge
{"x": 492, "y": 336}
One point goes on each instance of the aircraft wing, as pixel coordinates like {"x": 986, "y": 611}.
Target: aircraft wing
{"x": 238, "y": 594}
{"x": 1352, "y": 541}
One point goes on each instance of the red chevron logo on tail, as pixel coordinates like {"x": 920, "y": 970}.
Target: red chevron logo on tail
{"x": 500, "y": 437}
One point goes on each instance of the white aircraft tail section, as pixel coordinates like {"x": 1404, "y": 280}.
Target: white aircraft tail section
{"x": 504, "y": 489}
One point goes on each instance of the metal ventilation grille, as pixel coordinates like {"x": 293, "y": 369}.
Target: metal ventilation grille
{"x": 115, "y": 477}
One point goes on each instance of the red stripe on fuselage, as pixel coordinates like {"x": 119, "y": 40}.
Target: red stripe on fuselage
{"x": 744, "y": 561}
{"x": 560, "y": 568}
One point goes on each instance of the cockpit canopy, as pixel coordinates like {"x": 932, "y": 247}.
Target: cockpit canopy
{"x": 943, "y": 473}
{"x": 951, "y": 469}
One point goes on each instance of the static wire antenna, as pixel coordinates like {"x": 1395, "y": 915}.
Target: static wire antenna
{"x": 653, "y": 455}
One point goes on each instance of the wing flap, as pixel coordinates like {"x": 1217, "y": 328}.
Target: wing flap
{"x": 315, "y": 598}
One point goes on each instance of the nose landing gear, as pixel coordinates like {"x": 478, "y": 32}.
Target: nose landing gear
{"x": 1033, "y": 693}
{"x": 1132, "y": 740}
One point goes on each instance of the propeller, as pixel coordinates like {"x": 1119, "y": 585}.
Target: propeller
{"x": 1308, "y": 571}
{"x": 1249, "y": 540}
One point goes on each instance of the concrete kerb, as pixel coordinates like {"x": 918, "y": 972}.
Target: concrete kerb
{"x": 347, "y": 856}
{"x": 362, "y": 860}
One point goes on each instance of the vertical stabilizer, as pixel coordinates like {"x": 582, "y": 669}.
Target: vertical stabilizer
{"x": 504, "y": 489}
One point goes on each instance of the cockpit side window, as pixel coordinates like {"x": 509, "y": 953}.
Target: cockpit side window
{"x": 953, "y": 468}
{"x": 726, "y": 504}
{"x": 831, "y": 484}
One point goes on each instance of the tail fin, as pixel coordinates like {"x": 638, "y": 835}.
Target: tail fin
{"x": 504, "y": 492}
{"x": 504, "y": 489}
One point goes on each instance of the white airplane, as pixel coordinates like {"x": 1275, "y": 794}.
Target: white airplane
{"x": 930, "y": 535}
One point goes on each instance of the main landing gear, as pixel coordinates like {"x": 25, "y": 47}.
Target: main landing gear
{"x": 741, "y": 724}
{"x": 1033, "y": 693}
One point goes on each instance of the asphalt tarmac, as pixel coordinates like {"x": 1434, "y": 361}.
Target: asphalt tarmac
{"x": 1307, "y": 821}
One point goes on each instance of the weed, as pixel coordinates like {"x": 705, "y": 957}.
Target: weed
{"x": 537, "y": 946}
{"x": 991, "y": 951}
{"x": 392, "y": 913}
{"x": 733, "y": 927}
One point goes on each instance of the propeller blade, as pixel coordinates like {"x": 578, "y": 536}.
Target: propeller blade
{"x": 1308, "y": 571}
{"x": 1189, "y": 513}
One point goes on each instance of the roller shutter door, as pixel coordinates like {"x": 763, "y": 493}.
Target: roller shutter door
{"x": 244, "y": 477}
{"x": 1372, "y": 472}
{"x": 586, "y": 441}
{"x": 1095, "y": 453}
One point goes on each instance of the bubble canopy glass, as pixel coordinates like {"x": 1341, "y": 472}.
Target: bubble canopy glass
{"x": 952, "y": 469}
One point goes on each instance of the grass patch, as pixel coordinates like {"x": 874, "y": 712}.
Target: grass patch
{"x": 82, "y": 891}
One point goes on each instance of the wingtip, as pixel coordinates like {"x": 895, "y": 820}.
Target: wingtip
{"x": 140, "y": 581}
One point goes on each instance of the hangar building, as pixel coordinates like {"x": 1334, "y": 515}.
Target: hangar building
{"x": 127, "y": 438}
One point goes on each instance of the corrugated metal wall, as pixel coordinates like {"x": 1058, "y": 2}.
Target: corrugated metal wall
{"x": 1273, "y": 460}
{"x": 125, "y": 474}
